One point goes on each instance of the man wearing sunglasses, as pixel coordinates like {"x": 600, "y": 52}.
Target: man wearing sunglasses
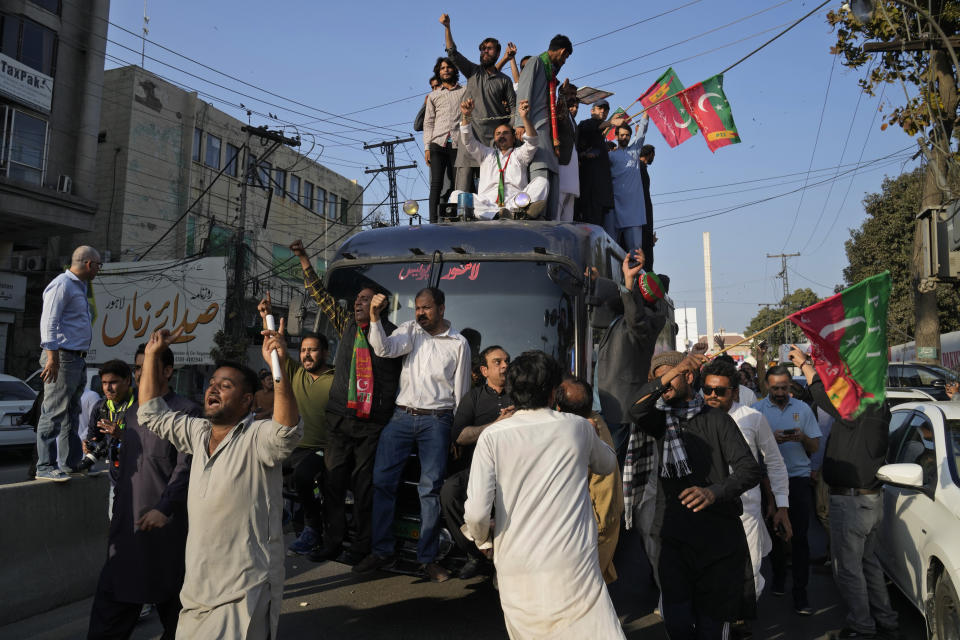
{"x": 720, "y": 380}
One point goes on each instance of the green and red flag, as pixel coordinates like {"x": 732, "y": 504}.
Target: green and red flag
{"x": 848, "y": 338}
{"x": 663, "y": 105}
{"x": 708, "y": 105}
{"x": 612, "y": 133}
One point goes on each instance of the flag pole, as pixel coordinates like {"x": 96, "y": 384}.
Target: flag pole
{"x": 764, "y": 330}
{"x": 749, "y": 338}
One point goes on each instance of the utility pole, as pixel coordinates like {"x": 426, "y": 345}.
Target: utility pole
{"x": 708, "y": 287}
{"x": 786, "y": 285}
{"x": 235, "y": 312}
{"x": 386, "y": 147}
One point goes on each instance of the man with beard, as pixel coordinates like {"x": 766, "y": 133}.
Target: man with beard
{"x": 233, "y": 584}
{"x": 503, "y": 169}
{"x": 481, "y": 407}
{"x": 491, "y": 91}
{"x": 148, "y": 527}
{"x": 538, "y": 86}
{"x": 361, "y": 402}
{"x": 719, "y": 387}
{"x": 596, "y": 186}
{"x": 798, "y": 435}
{"x": 625, "y": 222}
{"x": 310, "y": 379}
{"x": 440, "y": 122}
{"x": 531, "y": 470}
{"x": 435, "y": 376}
{"x": 703, "y": 562}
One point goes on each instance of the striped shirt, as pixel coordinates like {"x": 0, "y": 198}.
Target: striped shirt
{"x": 442, "y": 115}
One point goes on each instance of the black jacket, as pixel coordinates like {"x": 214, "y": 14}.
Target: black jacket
{"x": 856, "y": 448}
{"x": 623, "y": 358}
{"x": 713, "y": 443}
{"x": 386, "y": 377}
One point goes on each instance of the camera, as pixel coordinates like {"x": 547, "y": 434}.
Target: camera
{"x": 97, "y": 449}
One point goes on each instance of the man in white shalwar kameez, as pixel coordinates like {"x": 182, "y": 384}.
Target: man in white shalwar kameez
{"x": 233, "y": 587}
{"x": 759, "y": 436}
{"x": 503, "y": 167}
{"x": 531, "y": 469}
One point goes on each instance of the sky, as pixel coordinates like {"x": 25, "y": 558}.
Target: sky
{"x": 347, "y": 73}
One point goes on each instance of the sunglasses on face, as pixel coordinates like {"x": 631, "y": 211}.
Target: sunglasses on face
{"x": 718, "y": 391}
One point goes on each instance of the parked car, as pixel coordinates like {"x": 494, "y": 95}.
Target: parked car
{"x": 16, "y": 398}
{"x": 917, "y": 375}
{"x": 921, "y": 511}
{"x": 900, "y": 396}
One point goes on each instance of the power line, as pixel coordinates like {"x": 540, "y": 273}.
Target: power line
{"x": 633, "y": 24}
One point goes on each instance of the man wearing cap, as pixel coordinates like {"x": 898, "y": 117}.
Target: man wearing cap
{"x": 596, "y": 187}
{"x": 703, "y": 466}
{"x": 623, "y": 360}
{"x": 625, "y": 222}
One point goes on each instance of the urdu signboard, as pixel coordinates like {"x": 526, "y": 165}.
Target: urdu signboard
{"x": 134, "y": 299}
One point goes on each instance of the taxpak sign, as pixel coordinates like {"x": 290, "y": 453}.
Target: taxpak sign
{"x": 134, "y": 299}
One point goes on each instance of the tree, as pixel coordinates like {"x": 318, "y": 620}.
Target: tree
{"x": 799, "y": 299}
{"x": 885, "y": 241}
{"x": 918, "y": 59}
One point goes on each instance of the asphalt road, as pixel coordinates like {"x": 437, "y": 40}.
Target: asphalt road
{"x": 327, "y": 602}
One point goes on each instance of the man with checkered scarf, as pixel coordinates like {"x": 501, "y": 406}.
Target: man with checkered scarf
{"x": 702, "y": 465}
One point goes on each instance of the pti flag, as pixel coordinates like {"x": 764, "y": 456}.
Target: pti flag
{"x": 666, "y": 111}
{"x": 708, "y": 105}
{"x": 612, "y": 133}
{"x": 848, "y": 338}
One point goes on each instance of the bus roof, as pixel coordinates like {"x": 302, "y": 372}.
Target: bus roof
{"x": 568, "y": 242}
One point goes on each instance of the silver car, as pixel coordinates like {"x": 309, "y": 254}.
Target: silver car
{"x": 920, "y": 533}
{"x": 16, "y": 398}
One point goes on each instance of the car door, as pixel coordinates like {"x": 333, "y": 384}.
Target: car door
{"x": 892, "y": 561}
{"x": 910, "y": 513}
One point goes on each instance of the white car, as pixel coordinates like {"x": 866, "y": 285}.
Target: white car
{"x": 920, "y": 534}
{"x": 16, "y": 398}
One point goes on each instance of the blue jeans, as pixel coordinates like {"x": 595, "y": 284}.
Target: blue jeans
{"x": 431, "y": 437}
{"x": 854, "y": 525}
{"x": 58, "y": 444}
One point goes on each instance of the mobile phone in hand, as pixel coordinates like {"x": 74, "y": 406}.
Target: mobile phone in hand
{"x": 789, "y": 432}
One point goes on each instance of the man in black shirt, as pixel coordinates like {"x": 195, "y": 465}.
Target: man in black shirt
{"x": 706, "y": 580}
{"x": 481, "y": 407}
{"x": 855, "y": 450}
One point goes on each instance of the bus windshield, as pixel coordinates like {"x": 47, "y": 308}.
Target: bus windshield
{"x": 517, "y": 305}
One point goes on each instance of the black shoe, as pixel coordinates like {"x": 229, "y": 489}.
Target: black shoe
{"x": 740, "y": 630}
{"x": 323, "y": 554}
{"x": 471, "y": 568}
{"x": 778, "y": 589}
{"x": 373, "y": 562}
{"x": 849, "y": 632}
{"x": 889, "y": 633}
{"x": 801, "y": 605}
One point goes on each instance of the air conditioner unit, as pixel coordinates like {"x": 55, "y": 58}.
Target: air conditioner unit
{"x": 65, "y": 184}
{"x": 33, "y": 263}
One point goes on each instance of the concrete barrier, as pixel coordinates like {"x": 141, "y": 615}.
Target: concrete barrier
{"x": 54, "y": 542}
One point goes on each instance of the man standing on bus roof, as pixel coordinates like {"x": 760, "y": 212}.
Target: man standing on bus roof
{"x": 435, "y": 376}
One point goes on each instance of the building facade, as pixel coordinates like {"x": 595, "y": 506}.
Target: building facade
{"x": 51, "y": 77}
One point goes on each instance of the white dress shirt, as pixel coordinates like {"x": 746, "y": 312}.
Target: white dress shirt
{"x": 514, "y": 169}
{"x": 436, "y": 369}
{"x": 759, "y": 436}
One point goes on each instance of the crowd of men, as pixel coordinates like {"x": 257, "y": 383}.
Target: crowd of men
{"x": 493, "y": 139}
{"x": 533, "y": 472}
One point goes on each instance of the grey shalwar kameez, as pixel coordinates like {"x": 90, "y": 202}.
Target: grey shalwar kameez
{"x": 234, "y": 559}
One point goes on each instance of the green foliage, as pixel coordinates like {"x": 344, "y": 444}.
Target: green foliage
{"x": 885, "y": 241}
{"x": 229, "y": 347}
{"x": 799, "y": 299}
{"x": 892, "y": 22}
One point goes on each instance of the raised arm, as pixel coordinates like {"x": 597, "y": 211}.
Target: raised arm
{"x": 398, "y": 344}
{"x": 468, "y": 141}
{"x": 276, "y": 439}
{"x": 339, "y": 317}
{"x": 447, "y": 35}
{"x": 154, "y": 414}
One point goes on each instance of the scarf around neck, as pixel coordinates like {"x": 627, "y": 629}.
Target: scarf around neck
{"x": 360, "y": 384}
{"x": 674, "y": 462}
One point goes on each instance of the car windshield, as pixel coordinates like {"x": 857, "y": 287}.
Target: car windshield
{"x": 517, "y": 305}
{"x": 15, "y": 390}
{"x": 935, "y": 372}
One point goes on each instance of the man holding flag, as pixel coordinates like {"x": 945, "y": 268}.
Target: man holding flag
{"x": 846, "y": 374}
